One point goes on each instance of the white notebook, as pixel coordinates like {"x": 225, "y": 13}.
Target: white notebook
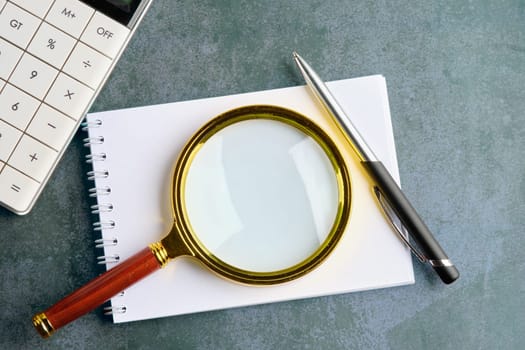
{"x": 141, "y": 146}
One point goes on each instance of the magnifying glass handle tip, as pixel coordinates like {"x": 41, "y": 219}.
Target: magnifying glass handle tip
{"x": 96, "y": 292}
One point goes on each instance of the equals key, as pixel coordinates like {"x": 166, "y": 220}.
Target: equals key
{"x": 15, "y": 188}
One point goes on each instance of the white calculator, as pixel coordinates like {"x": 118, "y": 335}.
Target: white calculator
{"x": 55, "y": 55}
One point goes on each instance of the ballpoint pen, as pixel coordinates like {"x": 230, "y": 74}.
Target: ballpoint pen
{"x": 390, "y": 197}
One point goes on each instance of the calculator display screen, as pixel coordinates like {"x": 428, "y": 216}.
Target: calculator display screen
{"x": 119, "y": 10}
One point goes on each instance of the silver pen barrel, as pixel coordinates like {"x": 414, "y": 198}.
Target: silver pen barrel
{"x": 326, "y": 98}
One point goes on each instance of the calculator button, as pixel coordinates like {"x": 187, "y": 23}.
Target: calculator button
{"x": 17, "y": 25}
{"x": 9, "y": 56}
{"x": 51, "y": 45}
{"x": 87, "y": 65}
{"x": 70, "y": 15}
{"x": 69, "y": 96}
{"x": 33, "y": 158}
{"x": 16, "y": 189}
{"x": 16, "y": 107}
{"x": 9, "y": 137}
{"x": 33, "y": 76}
{"x": 51, "y": 127}
{"x": 105, "y": 35}
{"x": 36, "y": 7}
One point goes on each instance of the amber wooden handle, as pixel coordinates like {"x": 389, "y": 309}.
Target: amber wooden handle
{"x": 96, "y": 292}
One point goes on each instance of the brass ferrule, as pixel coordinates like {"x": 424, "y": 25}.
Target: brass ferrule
{"x": 43, "y": 325}
{"x": 160, "y": 253}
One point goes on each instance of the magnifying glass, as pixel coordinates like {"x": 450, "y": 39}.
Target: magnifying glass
{"x": 260, "y": 195}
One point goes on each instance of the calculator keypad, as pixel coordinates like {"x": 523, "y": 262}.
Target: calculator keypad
{"x": 51, "y": 45}
{"x": 17, "y": 25}
{"x": 54, "y": 54}
{"x": 105, "y": 35}
{"x": 69, "y": 96}
{"x": 87, "y": 65}
{"x": 9, "y": 56}
{"x": 33, "y": 158}
{"x": 70, "y": 16}
{"x": 51, "y": 127}
{"x": 16, "y": 107}
{"x": 9, "y": 137}
{"x": 17, "y": 190}
{"x": 34, "y": 76}
{"x": 36, "y": 7}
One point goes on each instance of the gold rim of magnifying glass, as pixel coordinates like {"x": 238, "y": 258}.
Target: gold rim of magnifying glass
{"x": 190, "y": 238}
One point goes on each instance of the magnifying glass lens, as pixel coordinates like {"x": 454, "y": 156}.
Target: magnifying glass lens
{"x": 261, "y": 195}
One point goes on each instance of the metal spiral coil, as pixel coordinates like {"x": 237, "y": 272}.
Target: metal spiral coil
{"x": 106, "y": 242}
{"x": 97, "y": 140}
{"x": 95, "y": 157}
{"x": 97, "y": 123}
{"x": 97, "y": 174}
{"x": 102, "y": 208}
{"x": 108, "y": 259}
{"x": 99, "y": 191}
{"x": 111, "y": 310}
{"x": 104, "y": 225}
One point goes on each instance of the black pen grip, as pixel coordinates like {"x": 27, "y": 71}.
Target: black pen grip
{"x": 411, "y": 220}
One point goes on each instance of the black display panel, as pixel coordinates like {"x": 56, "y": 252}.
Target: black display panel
{"x": 120, "y": 10}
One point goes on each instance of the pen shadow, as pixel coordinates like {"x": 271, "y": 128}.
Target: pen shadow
{"x": 425, "y": 271}
{"x": 293, "y": 74}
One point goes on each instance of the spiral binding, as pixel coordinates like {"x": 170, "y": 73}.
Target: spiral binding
{"x": 97, "y": 157}
{"x": 108, "y": 259}
{"x": 105, "y": 242}
{"x": 98, "y": 140}
{"x": 99, "y": 191}
{"x": 111, "y": 310}
{"x": 97, "y": 123}
{"x": 101, "y": 207}
{"x": 100, "y": 174}
{"x": 104, "y": 225}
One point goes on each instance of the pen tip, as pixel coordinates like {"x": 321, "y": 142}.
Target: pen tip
{"x": 296, "y": 58}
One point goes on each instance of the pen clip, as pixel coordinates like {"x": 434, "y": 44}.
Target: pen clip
{"x": 400, "y": 230}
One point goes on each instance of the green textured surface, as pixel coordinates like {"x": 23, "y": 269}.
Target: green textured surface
{"x": 455, "y": 72}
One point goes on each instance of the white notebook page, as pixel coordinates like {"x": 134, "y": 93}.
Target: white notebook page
{"x": 142, "y": 145}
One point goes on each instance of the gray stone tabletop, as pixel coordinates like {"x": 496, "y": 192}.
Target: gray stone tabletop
{"x": 455, "y": 72}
